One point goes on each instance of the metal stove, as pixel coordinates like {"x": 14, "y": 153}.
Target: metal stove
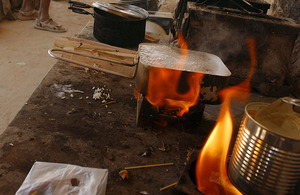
{"x": 221, "y": 27}
{"x": 165, "y": 58}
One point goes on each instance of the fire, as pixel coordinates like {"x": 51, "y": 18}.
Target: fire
{"x": 211, "y": 168}
{"x": 165, "y": 86}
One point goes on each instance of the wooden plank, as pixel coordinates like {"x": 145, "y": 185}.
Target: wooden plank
{"x": 105, "y": 66}
{"x": 102, "y": 57}
{"x": 151, "y": 37}
{"x": 100, "y": 45}
{"x": 96, "y": 50}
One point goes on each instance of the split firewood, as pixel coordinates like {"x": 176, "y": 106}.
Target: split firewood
{"x": 95, "y": 55}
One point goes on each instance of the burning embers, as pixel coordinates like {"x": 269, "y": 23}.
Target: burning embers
{"x": 169, "y": 89}
{"x": 166, "y": 90}
{"x": 211, "y": 168}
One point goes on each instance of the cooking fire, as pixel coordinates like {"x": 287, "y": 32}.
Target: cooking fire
{"x": 200, "y": 107}
{"x": 211, "y": 168}
{"x": 163, "y": 92}
{"x": 175, "y": 80}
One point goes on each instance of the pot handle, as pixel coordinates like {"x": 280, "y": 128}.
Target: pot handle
{"x": 131, "y": 75}
{"x": 80, "y": 11}
{"x": 289, "y": 100}
{"x": 79, "y": 4}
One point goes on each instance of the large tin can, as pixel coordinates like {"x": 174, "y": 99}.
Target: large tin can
{"x": 266, "y": 154}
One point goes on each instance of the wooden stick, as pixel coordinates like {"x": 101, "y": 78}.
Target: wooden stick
{"x": 168, "y": 186}
{"x": 146, "y": 166}
{"x": 111, "y": 102}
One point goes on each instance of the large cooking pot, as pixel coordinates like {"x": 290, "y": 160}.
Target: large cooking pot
{"x": 115, "y": 23}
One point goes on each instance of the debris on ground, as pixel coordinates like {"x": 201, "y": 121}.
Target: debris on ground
{"x": 147, "y": 152}
{"x": 148, "y": 166}
{"x": 102, "y": 93}
{"x": 60, "y": 90}
{"x": 168, "y": 186}
{"x": 124, "y": 174}
{"x": 189, "y": 153}
{"x": 164, "y": 148}
{"x": 110, "y": 102}
{"x": 74, "y": 110}
{"x": 144, "y": 192}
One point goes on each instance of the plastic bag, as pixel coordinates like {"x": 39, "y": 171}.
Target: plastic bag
{"x": 57, "y": 179}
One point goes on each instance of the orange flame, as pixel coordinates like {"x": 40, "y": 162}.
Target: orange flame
{"x": 163, "y": 86}
{"x": 211, "y": 168}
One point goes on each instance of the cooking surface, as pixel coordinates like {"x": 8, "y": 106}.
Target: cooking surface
{"x": 173, "y": 58}
{"x": 61, "y": 122}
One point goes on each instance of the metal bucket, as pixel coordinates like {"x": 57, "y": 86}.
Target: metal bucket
{"x": 264, "y": 161}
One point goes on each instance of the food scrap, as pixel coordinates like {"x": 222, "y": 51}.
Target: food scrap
{"x": 102, "y": 94}
{"x": 124, "y": 174}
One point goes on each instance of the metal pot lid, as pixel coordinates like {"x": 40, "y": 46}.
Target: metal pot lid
{"x": 123, "y": 10}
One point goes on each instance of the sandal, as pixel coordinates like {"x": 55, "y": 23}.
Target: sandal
{"x": 49, "y": 25}
{"x": 30, "y": 15}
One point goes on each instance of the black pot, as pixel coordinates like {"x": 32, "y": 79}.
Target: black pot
{"x": 115, "y": 29}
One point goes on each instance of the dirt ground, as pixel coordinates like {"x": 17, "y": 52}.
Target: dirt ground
{"x": 24, "y": 60}
{"x": 77, "y": 129}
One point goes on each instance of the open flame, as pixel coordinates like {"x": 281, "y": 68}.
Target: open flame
{"x": 165, "y": 86}
{"x": 211, "y": 168}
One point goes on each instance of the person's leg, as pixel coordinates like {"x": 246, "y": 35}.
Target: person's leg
{"x": 26, "y": 6}
{"x": 44, "y": 22}
{"x": 27, "y": 12}
{"x": 44, "y": 10}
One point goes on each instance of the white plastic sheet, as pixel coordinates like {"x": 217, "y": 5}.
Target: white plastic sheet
{"x": 57, "y": 179}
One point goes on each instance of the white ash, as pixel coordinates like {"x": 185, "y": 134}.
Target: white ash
{"x": 60, "y": 90}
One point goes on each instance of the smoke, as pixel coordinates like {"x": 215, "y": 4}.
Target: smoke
{"x": 222, "y": 39}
